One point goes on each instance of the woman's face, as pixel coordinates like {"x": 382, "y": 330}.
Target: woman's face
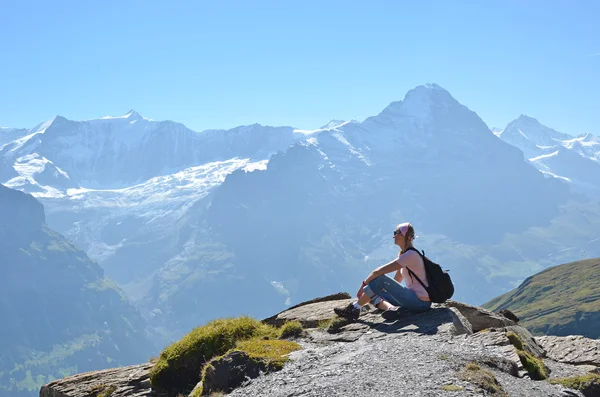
{"x": 399, "y": 238}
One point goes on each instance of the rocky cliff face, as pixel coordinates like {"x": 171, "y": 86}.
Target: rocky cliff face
{"x": 60, "y": 315}
{"x": 453, "y": 347}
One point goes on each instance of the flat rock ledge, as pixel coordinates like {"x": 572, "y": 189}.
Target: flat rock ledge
{"x": 573, "y": 349}
{"x": 131, "y": 381}
{"x": 417, "y": 354}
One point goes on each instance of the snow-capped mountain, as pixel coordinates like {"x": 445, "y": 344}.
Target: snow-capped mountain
{"x": 11, "y": 134}
{"x": 118, "y": 152}
{"x": 320, "y": 215}
{"x": 556, "y": 154}
{"x": 273, "y": 215}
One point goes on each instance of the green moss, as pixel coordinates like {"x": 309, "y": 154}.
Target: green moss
{"x": 535, "y": 367}
{"x": 582, "y": 382}
{"x": 472, "y": 367}
{"x": 179, "y": 365}
{"x": 451, "y": 388}
{"x": 272, "y": 352}
{"x": 515, "y": 340}
{"x": 102, "y": 390}
{"x": 482, "y": 378}
{"x": 324, "y": 324}
{"x": 291, "y": 329}
{"x": 335, "y": 324}
{"x": 444, "y": 357}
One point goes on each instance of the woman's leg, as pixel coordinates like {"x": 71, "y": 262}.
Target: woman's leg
{"x": 396, "y": 294}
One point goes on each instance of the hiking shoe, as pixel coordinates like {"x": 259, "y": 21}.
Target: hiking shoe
{"x": 349, "y": 312}
{"x": 392, "y": 313}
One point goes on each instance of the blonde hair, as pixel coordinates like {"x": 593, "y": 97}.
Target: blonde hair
{"x": 410, "y": 234}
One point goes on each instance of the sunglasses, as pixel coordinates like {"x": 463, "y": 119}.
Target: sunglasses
{"x": 396, "y": 232}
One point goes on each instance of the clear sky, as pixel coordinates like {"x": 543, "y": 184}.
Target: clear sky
{"x": 225, "y": 63}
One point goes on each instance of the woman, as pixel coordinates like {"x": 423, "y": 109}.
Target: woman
{"x": 388, "y": 294}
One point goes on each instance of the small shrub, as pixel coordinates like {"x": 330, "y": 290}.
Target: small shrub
{"x": 292, "y": 329}
{"x": 451, "y": 388}
{"x": 444, "y": 357}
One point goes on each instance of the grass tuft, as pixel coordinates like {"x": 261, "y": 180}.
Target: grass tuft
{"x": 178, "y": 367}
{"x": 292, "y": 329}
{"x": 102, "y": 390}
{"x": 583, "y": 382}
{"x": 482, "y": 378}
{"x": 451, "y": 388}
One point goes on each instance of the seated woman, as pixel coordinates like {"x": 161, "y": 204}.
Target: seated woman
{"x": 388, "y": 294}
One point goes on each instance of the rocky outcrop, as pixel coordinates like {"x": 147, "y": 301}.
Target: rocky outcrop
{"x": 21, "y": 214}
{"x": 480, "y": 318}
{"x": 230, "y": 371}
{"x": 429, "y": 351}
{"x": 131, "y": 381}
{"x": 574, "y": 349}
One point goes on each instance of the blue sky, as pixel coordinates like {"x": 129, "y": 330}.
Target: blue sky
{"x": 223, "y": 63}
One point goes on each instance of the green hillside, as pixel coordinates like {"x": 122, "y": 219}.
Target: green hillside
{"x": 561, "y": 300}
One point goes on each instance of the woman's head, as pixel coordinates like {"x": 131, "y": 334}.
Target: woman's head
{"x": 404, "y": 235}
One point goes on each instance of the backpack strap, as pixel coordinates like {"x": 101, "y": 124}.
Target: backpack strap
{"x": 410, "y": 272}
{"x": 417, "y": 277}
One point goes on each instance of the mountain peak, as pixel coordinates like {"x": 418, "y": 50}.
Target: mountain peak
{"x": 132, "y": 114}
{"x": 417, "y": 101}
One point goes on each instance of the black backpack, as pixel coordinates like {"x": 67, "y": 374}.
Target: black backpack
{"x": 440, "y": 285}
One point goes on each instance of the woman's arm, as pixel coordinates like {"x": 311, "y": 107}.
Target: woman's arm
{"x": 398, "y": 276}
{"x": 381, "y": 270}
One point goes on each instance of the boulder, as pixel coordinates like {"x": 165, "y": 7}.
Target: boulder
{"x": 510, "y": 315}
{"x": 530, "y": 345}
{"x": 131, "y": 381}
{"x": 310, "y": 315}
{"x": 480, "y": 318}
{"x": 231, "y": 371}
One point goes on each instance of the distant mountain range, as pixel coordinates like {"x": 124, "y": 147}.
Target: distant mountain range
{"x": 558, "y": 155}
{"x": 60, "y": 314}
{"x": 193, "y": 225}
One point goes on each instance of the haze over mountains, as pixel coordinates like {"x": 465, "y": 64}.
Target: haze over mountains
{"x": 59, "y": 313}
{"x": 263, "y": 217}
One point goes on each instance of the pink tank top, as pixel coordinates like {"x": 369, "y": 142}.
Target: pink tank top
{"x": 415, "y": 263}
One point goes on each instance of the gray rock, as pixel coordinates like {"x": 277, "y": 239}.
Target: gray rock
{"x": 276, "y": 320}
{"x": 231, "y": 371}
{"x": 573, "y": 349}
{"x": 461, "y": 324}
{"x": 415, "y": 355}
{"x": 309, "y": 315}
{"x": 510, "y": 315}
{"x": 480, "y": 318}
{"x": 131, "y": 381}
